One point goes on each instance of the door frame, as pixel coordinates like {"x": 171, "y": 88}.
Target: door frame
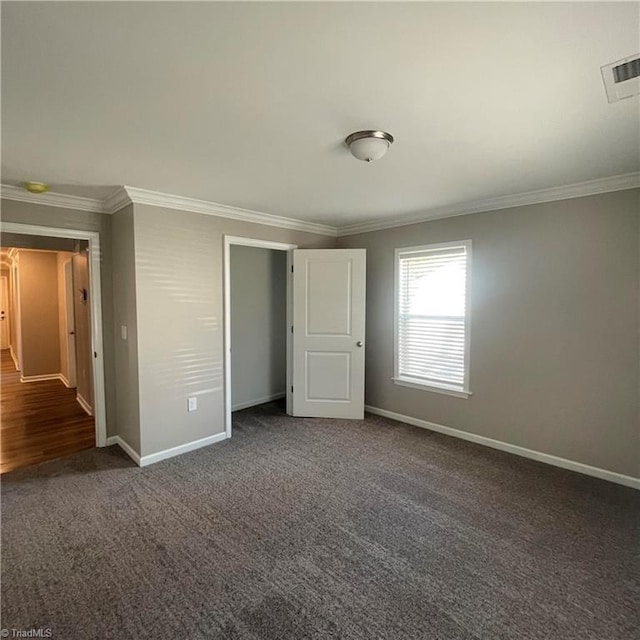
{"x": 261, "y": 244}
{"x": 93, "y": 239}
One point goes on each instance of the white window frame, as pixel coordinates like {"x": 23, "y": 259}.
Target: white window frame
{"x": 416, "y": 383}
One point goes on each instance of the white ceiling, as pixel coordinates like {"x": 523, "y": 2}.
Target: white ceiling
{"x": 248, "y": 104}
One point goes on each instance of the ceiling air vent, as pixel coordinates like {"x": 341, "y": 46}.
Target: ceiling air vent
{"x": 622, "y": 78}
{"x": 627, "y": 70}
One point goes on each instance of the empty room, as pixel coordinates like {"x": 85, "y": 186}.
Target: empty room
{"x": 320, "y": 320}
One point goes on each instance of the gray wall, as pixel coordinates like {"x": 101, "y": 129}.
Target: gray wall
{"x": 258, "y": 324}
{"x": 554, "y": 337}
{"x": 45, "y": 243}
{"x": 125, "y": 314}
{"x": 179, "y": 280}
{"x": 42, "y": 215}
{"x": 554, "y": 328}
{"x": 39, "y": 327}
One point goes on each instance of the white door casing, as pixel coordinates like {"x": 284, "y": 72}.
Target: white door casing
{"x": 328, "y": 332}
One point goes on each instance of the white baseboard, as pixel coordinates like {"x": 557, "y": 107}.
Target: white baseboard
{"x": 180, "y": 449}
{"x": 253, "y": 403}
{"x": 42, "y": 378}
{"x": 47, "y": 376}
{"x": 143, "y": 461}
{"x": 14, "y": 357}
{"x": 84, "y": 404}
{"x": 563, "y": 463}
{"x": 125, "y": 446}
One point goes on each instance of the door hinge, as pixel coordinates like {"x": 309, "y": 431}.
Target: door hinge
{"x": 95, "y": 354}
{"x": 291, "y": 268}
{"x": 291, "y": 388}
{"x": 291, "y": 328}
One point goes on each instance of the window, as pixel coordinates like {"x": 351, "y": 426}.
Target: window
{"x": 432, "y": 317}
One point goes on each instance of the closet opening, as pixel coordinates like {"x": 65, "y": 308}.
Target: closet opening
{"x": 257, "y": 324}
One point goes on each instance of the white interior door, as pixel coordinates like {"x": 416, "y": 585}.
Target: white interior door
{"x": 4, "y": 313}
{"x": 328, "y": 332}
{"x": 70, "y": 324}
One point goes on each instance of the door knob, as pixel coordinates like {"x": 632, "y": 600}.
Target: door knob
{"x": 359, "y": 343}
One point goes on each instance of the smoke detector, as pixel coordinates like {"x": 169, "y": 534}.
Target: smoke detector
{"x": 622, "y": 78}
{"x": 36, "y": 187}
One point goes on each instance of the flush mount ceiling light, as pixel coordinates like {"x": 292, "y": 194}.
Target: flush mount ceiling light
{"x": 369, "y": 145}
{"x": 36, "y": 187}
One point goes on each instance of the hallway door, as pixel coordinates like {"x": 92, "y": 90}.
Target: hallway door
{"x": 4, "y": 313}
{"x": 70, "y": 323}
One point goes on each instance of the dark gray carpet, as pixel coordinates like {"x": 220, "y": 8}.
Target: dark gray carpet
{"x": 319, "y": 529}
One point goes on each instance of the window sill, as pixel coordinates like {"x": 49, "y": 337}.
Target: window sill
{"x": 414, "y": 384}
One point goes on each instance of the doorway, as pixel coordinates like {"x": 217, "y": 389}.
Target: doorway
{"x": 47, "y": 406}
{"x": 257, "y": 350}
{"x": 74, "y": 372}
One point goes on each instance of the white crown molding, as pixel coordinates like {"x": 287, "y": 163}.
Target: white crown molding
{"x": 51, "y": 199}
{"x": 125, "y": 195}
{"x": 577, "y": 190}
{"x": 166, "y": 200}
{"x": 116, "y": 200}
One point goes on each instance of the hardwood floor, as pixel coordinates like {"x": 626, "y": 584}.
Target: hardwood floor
{"x": 40, "y": 420}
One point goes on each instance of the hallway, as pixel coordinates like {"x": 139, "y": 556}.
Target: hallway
{"x": 40, "y": 420}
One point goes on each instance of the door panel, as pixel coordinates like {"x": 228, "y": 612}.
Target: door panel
{"x": 70, "y": 325}
{"x": 328, "y": 376}
{"x": 328, "y": 278}
{"x": 328, "y": 332}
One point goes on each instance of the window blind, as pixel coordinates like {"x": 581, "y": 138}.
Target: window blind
{"x": 432, "y": 327}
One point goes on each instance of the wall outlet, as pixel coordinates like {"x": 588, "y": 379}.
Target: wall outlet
{"x": 193, "y": 404}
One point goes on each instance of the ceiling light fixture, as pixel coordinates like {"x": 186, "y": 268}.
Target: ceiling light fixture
{"x": 36, "y": 187}
{"x": 369, "y": 145}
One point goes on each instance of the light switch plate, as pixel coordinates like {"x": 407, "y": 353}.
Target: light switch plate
{"x": 193, "y": 404}
{"x": 123, "y": 332}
